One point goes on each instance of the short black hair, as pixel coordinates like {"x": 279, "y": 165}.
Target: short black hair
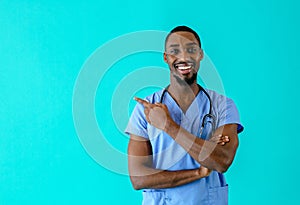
{"x": 183, "y": 28}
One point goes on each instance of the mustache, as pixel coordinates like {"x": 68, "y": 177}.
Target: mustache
{"x": 184, "y": 63}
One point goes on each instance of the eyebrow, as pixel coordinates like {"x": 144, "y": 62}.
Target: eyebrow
{"x": 188, "y": 44}
{"x": 191, "y": 44}
{"x": 174, "y": 45}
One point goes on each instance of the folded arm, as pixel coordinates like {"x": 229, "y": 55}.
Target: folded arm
{"x": 209, "y": 154}
{"x": 142, "y": 175}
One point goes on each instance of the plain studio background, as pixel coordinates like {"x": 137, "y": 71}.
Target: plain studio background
{"x": 254, "y": 46}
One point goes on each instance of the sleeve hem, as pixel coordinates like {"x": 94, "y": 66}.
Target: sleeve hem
{"x": 240, "y": 127}
{"x": 137, "y": 133}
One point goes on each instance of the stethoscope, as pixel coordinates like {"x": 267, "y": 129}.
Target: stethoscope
{"x": 208, "y": 118}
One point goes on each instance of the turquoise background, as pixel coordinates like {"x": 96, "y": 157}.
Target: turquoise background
{"x": 43, "y": 45}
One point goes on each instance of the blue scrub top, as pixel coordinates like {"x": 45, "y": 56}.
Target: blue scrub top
{"x": 168, "y": 155}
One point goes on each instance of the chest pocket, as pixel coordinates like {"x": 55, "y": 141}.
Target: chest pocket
{"x": 218, "y": 195}
{"x": 153, "y": 198}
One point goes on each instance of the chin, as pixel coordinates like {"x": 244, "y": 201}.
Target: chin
{"x": 186, "y": 80}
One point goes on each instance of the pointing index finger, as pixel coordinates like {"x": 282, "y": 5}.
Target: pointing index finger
{"x": 139, "y": 100}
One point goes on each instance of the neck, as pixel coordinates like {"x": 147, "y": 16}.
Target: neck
{"x": 183, "y": 90}
{"x": 183, "y": 94}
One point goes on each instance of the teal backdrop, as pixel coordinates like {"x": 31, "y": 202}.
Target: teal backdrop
{"x": 44, "y": 45}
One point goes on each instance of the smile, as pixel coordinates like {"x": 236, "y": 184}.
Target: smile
{"x": 183, "y": 68}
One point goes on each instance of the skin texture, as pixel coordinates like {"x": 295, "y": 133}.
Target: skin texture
{"x": 217, "y": 153}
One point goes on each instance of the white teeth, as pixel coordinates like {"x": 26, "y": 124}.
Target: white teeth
{"x": 184, "y": 67}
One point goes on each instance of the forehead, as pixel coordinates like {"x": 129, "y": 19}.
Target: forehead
{"x": 181, "y": 38}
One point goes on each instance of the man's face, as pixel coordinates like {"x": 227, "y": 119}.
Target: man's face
{"x": 183, "y": 55}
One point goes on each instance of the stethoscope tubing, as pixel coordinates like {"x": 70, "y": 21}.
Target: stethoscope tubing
{"x": 208, "y": 115}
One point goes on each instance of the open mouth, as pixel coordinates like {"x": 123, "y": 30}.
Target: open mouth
{"x": 184, "y": 68}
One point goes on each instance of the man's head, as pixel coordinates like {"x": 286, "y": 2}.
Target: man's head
{"x": 183, "y": 54}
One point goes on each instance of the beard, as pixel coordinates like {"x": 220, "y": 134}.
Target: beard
{"x": 186, "y": 81}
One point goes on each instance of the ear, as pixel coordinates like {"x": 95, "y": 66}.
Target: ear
{"x": 201, "y": 54}
{"x": 165, "y": 57}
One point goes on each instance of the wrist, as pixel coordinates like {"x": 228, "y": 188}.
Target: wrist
{"x": 171, "y": 126}
{"x": 198, "y": 173}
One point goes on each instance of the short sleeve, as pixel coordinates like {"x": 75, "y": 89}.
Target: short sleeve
{"x": 228, "y": 113}
{"x": 137, "y": 124}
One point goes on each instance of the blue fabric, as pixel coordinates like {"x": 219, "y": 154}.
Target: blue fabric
{"x": 168, "y": 155}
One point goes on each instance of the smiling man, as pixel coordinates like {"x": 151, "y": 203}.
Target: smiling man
{"x": 184, "y": 137}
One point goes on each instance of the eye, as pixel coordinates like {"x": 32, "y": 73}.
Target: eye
{"x": 192, "y": 50}
{"x": 174, "y": 51}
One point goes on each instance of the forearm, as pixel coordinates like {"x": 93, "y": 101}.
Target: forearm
{"x": 158, "y": 179}
{"x": 207, "y": 153}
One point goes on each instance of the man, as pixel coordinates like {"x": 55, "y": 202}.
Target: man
{"x": 177, "y": 153}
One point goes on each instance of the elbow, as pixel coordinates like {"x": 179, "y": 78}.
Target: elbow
{"x": 136, "y": 182}
{"x": 139, "y": 179}
{"x": 222, "y": 168}
{"x": 136, "y": 187}
{"x": 225, "y": 163}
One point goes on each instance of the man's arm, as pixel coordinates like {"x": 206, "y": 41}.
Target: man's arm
{"x": 142, "y": 175}
{"x": 208, "y": 154}
{"x": 211, "y": 155}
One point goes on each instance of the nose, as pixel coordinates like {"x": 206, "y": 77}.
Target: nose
{"x": 183, "y": 55}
